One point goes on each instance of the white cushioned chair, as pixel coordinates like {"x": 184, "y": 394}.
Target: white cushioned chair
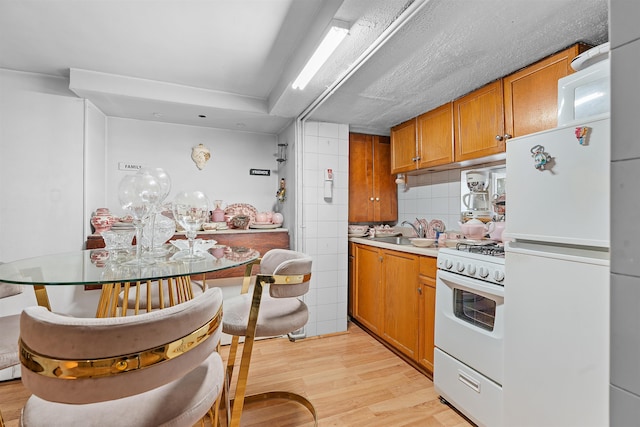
{"x": 10, "y": 327}
{"x": 155, "y": 369}
{"x": 272, "y": 309}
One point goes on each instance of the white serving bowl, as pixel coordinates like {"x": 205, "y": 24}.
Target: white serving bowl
{"x": 422, "y": 243}
{"x": 358, "y": 229}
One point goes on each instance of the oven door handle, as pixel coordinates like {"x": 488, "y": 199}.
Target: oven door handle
{"x": 477, "y": 286}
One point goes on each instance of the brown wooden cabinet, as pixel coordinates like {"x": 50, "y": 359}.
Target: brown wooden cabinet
{"x": 435, "y": 137}
{"x": 373, "y": 193}
{"x": 400, "y": 290}
{"x": 427, "y": 281}
{"x": 531, "y": 94}
{"x": 368, "y": 292}
{"x": 482, "y": 121}
{"x": 479, "y": 123}
{"x": 394, "y": 298}
{"x": 403, "y": 147}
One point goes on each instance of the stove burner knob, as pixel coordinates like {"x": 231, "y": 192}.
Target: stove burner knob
{"x": 484, "y": 272}
{"x": 448, "y": 264}
{"x": 460, "y": 266}
{"x": 471, "y": 269}
{"x": 498, "y": 275}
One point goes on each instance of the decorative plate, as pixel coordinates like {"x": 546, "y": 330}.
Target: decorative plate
{"x": 242, "y": 209}
{"x": 435, "y": 225}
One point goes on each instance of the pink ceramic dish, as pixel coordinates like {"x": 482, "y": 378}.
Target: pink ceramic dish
{"x": 242, "y": 209}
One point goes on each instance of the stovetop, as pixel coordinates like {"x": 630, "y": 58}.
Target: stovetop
{"x": 490, "y": 249}
{"x": 478, "y": 261}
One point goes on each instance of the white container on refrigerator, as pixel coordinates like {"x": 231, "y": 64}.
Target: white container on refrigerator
{"x": 556, "y": 347}
{"x": 567, "y": 202}
{"x": 585, "y": 93}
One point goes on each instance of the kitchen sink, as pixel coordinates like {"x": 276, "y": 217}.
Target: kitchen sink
{"x": 396, "y": 240}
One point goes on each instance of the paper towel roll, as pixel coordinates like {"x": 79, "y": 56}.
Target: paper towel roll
{"x": 328, "y": 189}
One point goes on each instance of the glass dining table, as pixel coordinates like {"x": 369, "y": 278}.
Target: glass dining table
{"x": 167, "y": 278}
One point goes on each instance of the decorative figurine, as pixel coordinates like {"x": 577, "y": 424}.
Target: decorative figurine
{"x": 281, "y": 193}
{"x": 200, "y": 155}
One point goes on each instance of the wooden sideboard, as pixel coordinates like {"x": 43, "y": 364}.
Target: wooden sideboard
{"x": 260, "y": 240}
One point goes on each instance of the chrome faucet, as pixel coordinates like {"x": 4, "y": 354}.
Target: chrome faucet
{"x": 419, "y": 231}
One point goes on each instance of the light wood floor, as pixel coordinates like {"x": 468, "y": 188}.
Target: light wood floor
{"x": 351, "y": 379}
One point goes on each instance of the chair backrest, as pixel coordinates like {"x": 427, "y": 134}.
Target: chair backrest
{"x": 162, "y": 341}
{"x": 9, "y": 289}
{"x": 286, "y": 262}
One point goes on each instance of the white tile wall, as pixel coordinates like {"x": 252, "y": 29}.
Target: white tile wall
{"x": 435, "y": 195}
{"x": 324, "y": 228}
{"x": 625, "y": 200}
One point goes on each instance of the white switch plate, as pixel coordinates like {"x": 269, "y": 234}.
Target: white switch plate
{"x": 128, "y": 166}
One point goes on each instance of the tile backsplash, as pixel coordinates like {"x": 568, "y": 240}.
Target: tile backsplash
{"x": 433, "y": 195}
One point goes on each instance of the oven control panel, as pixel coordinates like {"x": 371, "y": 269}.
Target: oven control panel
{"x": 477, "y": 266}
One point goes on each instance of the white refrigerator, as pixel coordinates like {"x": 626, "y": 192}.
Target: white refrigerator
{"x": 556, "y": 342}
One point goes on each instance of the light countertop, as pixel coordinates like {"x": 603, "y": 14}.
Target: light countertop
{"x": 430, "y": 251}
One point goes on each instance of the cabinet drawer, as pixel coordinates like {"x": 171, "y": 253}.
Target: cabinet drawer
{"x": 428, "y": 266}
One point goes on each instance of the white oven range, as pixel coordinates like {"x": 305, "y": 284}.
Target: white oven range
{"x": 469, "y": 331}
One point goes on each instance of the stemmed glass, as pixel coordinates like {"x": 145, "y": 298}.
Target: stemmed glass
{"x": 191, "y": 210}
{"x": 138, "y": 194}
{"x": 164, "y": 181}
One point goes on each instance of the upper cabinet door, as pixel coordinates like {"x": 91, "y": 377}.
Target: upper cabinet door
{"x": 360, "y": 177}
{"x": 403, "y": 147}
{"x": 435, "y": 137}
{"x": 385, "y": 188}
{"x": 373, "y": 193}
{"x": 531, "y": 94}
{"x": 479, "y": 123}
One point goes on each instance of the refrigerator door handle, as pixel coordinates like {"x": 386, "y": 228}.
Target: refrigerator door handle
{"x": 586, "y": 255}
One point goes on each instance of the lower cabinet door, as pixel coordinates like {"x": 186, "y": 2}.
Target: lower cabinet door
{"x": 400, "y": 281}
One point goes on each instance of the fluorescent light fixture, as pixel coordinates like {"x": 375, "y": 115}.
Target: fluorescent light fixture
{"x": 337, "y": 32}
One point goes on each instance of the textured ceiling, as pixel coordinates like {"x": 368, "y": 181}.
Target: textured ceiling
{"x": 233, "y": 61}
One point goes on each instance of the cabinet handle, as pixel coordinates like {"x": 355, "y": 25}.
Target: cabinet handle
{"x": 377, "y": 199}
{"x": 420, "y": 291}
{"x": 507, "y": 136}
{"x": 499, "y": 137}
{"x": 371, "y": 199}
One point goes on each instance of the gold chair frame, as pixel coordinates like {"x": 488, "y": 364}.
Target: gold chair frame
{"x": 236, "y": 404}
{"x": 179, "y": 290}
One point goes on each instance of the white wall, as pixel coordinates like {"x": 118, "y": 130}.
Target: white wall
{"x": 625, "y": 200}
{"x": 225, "y": 176}
{"x": 41, "y": 175}
{"x": 287, "y": 170}
{"x": 95, "y": 133}
{"x": 324, "y": 224}
{"x": 58, "y": 163}
{"x": 434, "y": 195}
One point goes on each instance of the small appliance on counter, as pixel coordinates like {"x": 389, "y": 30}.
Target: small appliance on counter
{"x": 477, "y": 200}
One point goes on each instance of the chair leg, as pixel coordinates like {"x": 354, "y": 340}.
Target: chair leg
{"x": 247, "y": 348}
{"x": 1, "y": 420}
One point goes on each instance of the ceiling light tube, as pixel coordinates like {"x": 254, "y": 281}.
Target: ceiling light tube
{"x": 337, "y": 32}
